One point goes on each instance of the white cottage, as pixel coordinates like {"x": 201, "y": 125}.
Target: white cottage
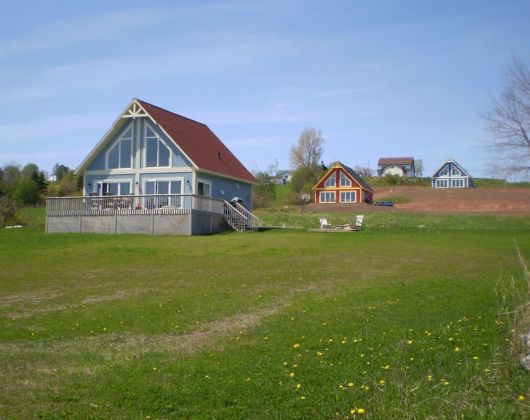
{"x": 452, "y": 175}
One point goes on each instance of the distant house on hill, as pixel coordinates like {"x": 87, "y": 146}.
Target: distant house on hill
{"x": 341, "y": 184}
{"x": 452, "y": 175}
{"x": 282, "y": 177}
{"x": 400, "y": 166}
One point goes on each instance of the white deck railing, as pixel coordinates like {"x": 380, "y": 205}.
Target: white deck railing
{"x": 131, "y": 204}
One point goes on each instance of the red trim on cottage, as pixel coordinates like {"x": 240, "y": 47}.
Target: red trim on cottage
{"x": 201, "y": 145}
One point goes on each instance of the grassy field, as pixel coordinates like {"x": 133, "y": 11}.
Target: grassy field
{"x": 415, "y": 317}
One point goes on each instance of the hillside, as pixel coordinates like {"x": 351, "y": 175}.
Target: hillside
{"x": 504, "y": 201}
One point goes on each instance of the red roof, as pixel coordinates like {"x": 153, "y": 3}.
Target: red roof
{"x": 396, "y": 161}
{"x": 199, "y": 143}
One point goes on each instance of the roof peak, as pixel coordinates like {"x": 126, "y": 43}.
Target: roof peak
{"x": 167, "y": 110}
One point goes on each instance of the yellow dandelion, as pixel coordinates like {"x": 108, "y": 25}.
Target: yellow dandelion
{"x": 521, "y": 398}
{"x": 446, "y": 383}
{"x": 409, "y": 342}
{"x": 381, "y": 382}
{"x": 296, "y": 345}
{"x": 476, "y": 358}
{"x": 429, "y": 377}
{"x": 457, "y": 349}
{"x": 350, "y": 384}
{"x": 352, "y": 411}
{"x": 302, "y": 397}
{"x": 298, "y": 386}
{"x": 291, "y": 375}
{"x": 387, "y": 367}
{"x": 360, "y": 410}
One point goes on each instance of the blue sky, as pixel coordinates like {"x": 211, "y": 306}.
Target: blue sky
{"x": 379, "y": 78}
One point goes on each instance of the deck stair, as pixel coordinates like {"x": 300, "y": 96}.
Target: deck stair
{"x": 239, "y": 218}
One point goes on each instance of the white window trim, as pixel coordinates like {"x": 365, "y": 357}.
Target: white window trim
{"x": 113, "y": 181}
{"x": 119, "y": 139}
{"x": 447, "y": 180}
{"x": 146, "y": 180}
{"x": 205, "y": 182}
{"x": 334, "y": 176}
{"x": 160, "y": 139}
{"x": 349, "y": 192}
{"x": 343, "y": 175}
{"x": 334, "y": 197}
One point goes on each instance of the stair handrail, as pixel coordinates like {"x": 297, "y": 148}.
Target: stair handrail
{"x": 232, "y": 208}
{"x": 247, "y": 211}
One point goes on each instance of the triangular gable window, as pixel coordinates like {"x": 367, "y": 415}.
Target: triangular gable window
{"x": 444, "y": 171}
{"x": 120, "y": 154}
{"x": 331, "y": 181}
{"x": 344, "y": 180}
{"x": 157, "y": 154}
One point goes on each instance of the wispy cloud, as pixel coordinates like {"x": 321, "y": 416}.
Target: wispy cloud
{"x": 91, "y": 28}
{"x": 55, "y": 128}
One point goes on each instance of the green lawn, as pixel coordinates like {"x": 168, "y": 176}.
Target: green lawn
{"x": 413, "y": 317}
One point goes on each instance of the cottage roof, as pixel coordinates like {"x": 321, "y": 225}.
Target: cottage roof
{"x": 356, "y": 177}
{"x": 199, "y": 143}
{"x": 454, "y": 162}
{"x": 396, "y": 161}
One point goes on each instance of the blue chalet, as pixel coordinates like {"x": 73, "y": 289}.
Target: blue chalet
{"x": 153, "y": 163}
{"x": 452, "y": 175}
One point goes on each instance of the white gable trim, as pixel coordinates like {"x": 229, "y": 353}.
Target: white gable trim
{"x": 133, "y": 110}
{"x": 116, "y": 125}
{"x": 462, "y": 170}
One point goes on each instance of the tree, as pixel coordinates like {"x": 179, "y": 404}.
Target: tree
{"x": 29, "y": 169}
{"x": 418, "y": 165}
{"x": 508, "y": 122}
{"x": 40, "y": 179}
{"x": 27, "y": 192}
{"x": 364, "y": 171}
{"x": 59, "y": 171}
{"x": 308, "y": 151}
{"x": 264, "y": 191}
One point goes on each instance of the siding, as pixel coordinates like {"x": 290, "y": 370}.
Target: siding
{"x": 226, "y": 189}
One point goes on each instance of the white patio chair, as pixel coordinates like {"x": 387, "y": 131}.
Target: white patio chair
{"x": 359, "y": 219}
{"x": 324, "y": 224}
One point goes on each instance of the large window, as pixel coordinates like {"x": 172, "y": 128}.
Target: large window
{"x": 442, "y": 183}
{"x": 344, "y": 180}
{"x": 114, "y": 188}
{"x": 163, "y": 187}
{"x": 327, "y": 197}
{"x": 157, "y": 154}
{"x": 457, "y": 183}
{"x": 120, "y": 154}
{"x": 331, "y": 181}
{"x": 168, "y": 188}
{"x": 348, "y": 197}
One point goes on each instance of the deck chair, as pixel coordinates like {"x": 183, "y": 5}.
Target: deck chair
{"x": 324, "y": 224}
